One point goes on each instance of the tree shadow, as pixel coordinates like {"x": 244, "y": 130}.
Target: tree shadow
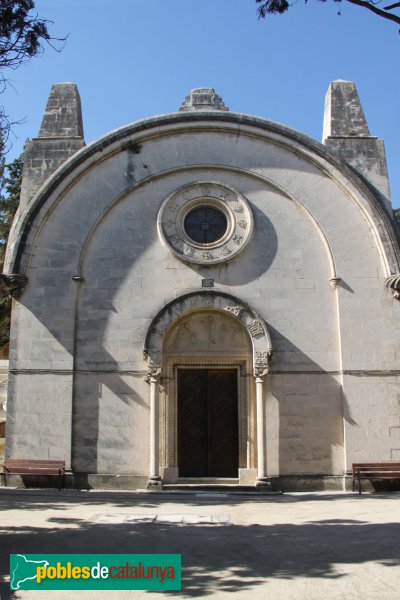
{"x": 235, "y": 558}
{"x": 45, "y": 499}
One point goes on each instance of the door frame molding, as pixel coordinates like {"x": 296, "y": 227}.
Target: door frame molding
{"x": 161, "y": 377}
{"x": 169, "y": 409}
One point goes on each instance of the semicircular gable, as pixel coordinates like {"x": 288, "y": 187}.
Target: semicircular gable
{"x": 96, "y": 176}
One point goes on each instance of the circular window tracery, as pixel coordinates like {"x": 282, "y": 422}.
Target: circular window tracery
{"x": 205, "y": 223}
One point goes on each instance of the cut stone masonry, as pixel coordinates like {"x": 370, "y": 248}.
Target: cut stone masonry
{"x": 347, "y": 135}
{"x": 60, "y": 136}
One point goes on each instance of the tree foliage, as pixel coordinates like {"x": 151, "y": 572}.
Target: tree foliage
{"x": 11, "y": 178}
{"x": 9, "y": 200}
{"x": 23, "y": 35}
{"x": 267, "y": 7}
{"x": 21, "y": 32}
{"x": 396, "y": 212}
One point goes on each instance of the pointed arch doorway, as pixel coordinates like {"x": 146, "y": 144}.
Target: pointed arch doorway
{"x": 208, "y": 354}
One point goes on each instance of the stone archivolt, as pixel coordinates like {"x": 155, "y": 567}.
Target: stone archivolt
{"x": 208, "y": 330}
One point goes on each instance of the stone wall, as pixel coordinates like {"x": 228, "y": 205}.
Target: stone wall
{"x": 3, "y": 406}
{"x": 314, "y": 269}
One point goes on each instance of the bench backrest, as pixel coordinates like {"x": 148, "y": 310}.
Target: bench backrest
{"x": 376, "y": 464}
{"x": 45, "y": 467}
{"x": 386, "y": 468}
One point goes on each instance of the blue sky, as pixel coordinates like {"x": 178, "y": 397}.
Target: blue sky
{"x": 136, "y": 58}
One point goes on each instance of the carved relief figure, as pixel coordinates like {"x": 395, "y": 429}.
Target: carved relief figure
{"x": 185, "y": 336}
{"x": 205, "y": 331}
{"x": 230, "y": 334}
{"x": 208, "y": 325}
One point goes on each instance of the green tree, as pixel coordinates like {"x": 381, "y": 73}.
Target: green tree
{"x": 396, "y": 212}
{"x": 22, "y": 33}
{"x": 267, "y": 7}
{"x": 9, "y": 200}
{"x": 11, "y": 177}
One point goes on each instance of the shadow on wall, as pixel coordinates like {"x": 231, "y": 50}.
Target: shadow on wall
{"x": 86, "y": 411}
{"x": 98, "y": 304}
{"x": 311, "y": 408}
{"x": 86, "y": 418}
{"x": 310, "y": 403}
{"x": 257, "y": 257}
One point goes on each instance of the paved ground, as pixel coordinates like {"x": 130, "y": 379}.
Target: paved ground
{"x": 293, "y": 547}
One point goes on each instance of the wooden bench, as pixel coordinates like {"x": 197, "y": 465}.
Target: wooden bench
{"x": 378, "y": 471}
{"x": 52, "y": 468}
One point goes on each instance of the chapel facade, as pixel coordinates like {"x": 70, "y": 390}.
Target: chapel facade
{"x": 205, "y": 296}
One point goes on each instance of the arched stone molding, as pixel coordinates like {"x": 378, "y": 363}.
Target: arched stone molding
{"x": 261, "y": 353}
{"x": 133, "y": 136}
{"x": 253, "y": 323}
{"x": 218, "y": 172}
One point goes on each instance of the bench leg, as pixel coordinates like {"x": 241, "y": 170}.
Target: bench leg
{"x": 359, "y": 485}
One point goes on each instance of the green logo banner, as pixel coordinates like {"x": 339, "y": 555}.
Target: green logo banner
{"x": 95, "y": 571}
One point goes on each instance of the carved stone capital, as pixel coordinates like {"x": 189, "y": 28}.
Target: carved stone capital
{"x": 153, "y": 374}
{"x": 261, "y": 363}
{"x": 12, "y": 284}
{"x": 393, "y": 283}
{"x": 260, "y": 372}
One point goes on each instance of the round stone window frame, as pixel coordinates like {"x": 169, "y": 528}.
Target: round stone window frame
{"x": 179, "y": 204}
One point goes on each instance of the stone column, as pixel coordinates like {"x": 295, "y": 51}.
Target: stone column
{"x": 262, "y": 480}
{"x": 154, "y": 475}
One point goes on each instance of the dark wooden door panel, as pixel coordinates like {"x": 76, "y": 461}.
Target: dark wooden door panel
{"x": 208, "y": 423}
{"x": 223, "y": 446}
{"x": 192, "y": 423}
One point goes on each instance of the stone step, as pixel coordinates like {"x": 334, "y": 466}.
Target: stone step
{"x": 207, "y": 481}
{"x": 213, "y": 487}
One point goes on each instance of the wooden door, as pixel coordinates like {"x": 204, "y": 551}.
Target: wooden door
{"x": 208, "y": 440}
